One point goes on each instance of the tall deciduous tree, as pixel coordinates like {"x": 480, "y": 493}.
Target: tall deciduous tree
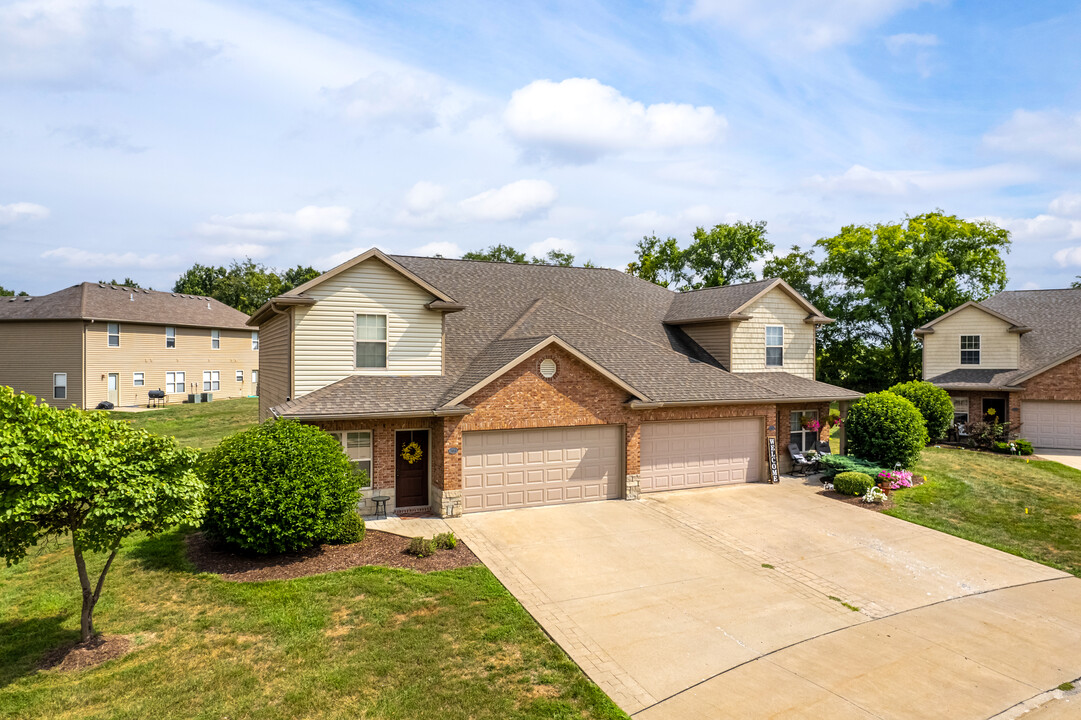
{"x": 659, "y": 261}
{"x": 507, "y": 254}
{"x": 243, "y": 285}
{"x": 80, "y": 473}
{"x": 883, "y": 281}
{"x": 4, "y": 292}
{"x": 723, "y": 255}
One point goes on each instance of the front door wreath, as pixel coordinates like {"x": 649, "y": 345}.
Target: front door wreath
{"x": 411, "y": 452}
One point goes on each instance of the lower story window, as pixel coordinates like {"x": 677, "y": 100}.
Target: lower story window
{"x": 358, "y": 447}
{"x": 240, "y": 376}
{"x": 174, "y": 382}
{"x": 60, "y": 386}
{"x": 137, "y": 379}
{"x": 211, "y": 380}
{"x": 960, "y": 410}
{"x": 805, "y": 437}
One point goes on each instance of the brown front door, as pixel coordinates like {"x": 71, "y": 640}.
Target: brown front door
{"x": 411, "y": 477}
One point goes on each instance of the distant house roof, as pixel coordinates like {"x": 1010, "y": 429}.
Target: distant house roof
{"x": 727, "y": 302}
{"x": 612, "y": 320}
{"x": 119, "y": 303}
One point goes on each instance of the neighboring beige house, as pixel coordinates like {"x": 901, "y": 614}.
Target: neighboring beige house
{"x": 93, "y": 342}
{"x": 466, "y": 386}
{"x": 1017, "y": 354}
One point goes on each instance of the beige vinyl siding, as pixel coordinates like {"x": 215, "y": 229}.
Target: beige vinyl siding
{"x": 275, "y": 374}
{"x": 142, "y": 349}
{"x": 999, "y": 349}
{"x": 749, "y": 336}
{"x": 30, "y": 352}
{"x": 323, "y": 350}
{"x": 714, "y": 337}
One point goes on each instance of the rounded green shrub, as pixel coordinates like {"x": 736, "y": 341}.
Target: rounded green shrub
{"x": 1024, "y": 447}
{"x": 886, "y": 428}
{"x": 421, "y": 547}
{"x": 445, "y": 541}
{"x": 350, "y": 530}
{"x": 933, "y": 403}
{"x": 280, "y": 487}
{"x": 852, "y": 483}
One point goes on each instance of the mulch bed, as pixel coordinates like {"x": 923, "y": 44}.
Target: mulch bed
{"x": 377, "y": 548}
{"x": 858, "y": 501}
{"x": 85, "y": 655}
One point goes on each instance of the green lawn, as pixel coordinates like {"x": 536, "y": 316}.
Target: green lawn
{"x": 1031, "y": 509}
{"x": 197, "y": 425}
{"x": 369, "y": 642}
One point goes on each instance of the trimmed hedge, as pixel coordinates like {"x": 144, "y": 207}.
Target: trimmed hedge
{"x": 280, "y": 487}
{"x": 1022, "y": 447}
{"x": 933, "y": 403}
{"x": 853, "y": 483}
{"x": 836, "y": 464}
{"x": 886, "y": 428}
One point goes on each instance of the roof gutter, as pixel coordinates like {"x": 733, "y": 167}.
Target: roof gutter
{"x": 442, "y": 412}
{"x": 272, "y": 306}
{"x": 641, "y": 405}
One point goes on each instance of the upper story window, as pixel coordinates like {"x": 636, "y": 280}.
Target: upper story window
{"x": 170, "y": 337}
{"x": 114, "y": 334}
{"x": 215, "y": 339}
{"x": 60, "y": 386}
{"x": 774, "y": 345}
{"x": 240, "y": 376}
{"x": 970, "y": 349}
{"x": 371, "y": 338}
{"x": 254, "y": 339}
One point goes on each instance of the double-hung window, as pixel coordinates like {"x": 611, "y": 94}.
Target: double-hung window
{"x": 254, "y": 339}
{"x": 775, "y": 346}
{"x": 114, "y": 334}
{"x": 960, "y": 410}
{"x": 60, "y": 386}
{"x": 970, "y": 349}
{"x": 358, "y": 447}
{"x": 215, "y": 339}
{"x": 371, "y": 339}
{"x": 170, "y": 337}
{"x": 240, "y": 376}
{"x": 211, "y": 380}
{"x": 137, "y": 379}
{"x": 174, "y": 382}
{"x": 804, "y": 437}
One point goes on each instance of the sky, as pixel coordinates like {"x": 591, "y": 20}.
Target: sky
{"x": 139, "y": 138}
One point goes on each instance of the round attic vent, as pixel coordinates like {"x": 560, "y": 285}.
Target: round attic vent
{"x": 548, "y": 367}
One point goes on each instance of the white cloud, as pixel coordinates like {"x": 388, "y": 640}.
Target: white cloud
{"x": 542, "y": 247}
{"x": 1067, "y": 205}
{"x": 510, "y": 202}
{"x": 793, "y": 25}
{"x": 1041, "y": 228}
{"x": 307, "y": 222}
{"x": 861, "y": 180}
{"x": 440, "y": 247}
{"x": 405, "y": 99}
{"x": 678, "y": 224}
{"x": 901, "y": 41}
{"x": 229, "y": 251}
{"x": 1069, "y": 257}
{"x": 76, "y": 257}
{"x": 22, "y": 211}
{"x": 580, "y": 119}
{"x": 1050, "y": 134}
{"x": 424, "y": 197}
{"x": 70, "y": 44}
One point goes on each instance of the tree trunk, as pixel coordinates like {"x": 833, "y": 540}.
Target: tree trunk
{"x": 90, "y": 595}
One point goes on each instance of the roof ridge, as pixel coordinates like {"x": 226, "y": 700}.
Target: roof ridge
{"x": 521, "y": 319}
{"x": 723, "y": 287}
{"x": 504, "y": 262}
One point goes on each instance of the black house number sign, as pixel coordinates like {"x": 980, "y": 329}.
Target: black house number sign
{"x": 773, "y": 475}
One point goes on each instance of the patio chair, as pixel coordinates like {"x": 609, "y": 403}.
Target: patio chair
{"x": 823, "y": 448}
{"x": 803, "y": 465}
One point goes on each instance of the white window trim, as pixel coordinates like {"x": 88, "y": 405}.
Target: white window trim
{"x": 240, "y": 376}
{"x": 963, "y": 350}
{"x": 65, "y": 385}
{"x": 802, "y": 432}
{"x": 957, "y": 404}
{"x": 168, "y": 338}
{"x": 109, "y": 335}
{"x": 215, "y": 339}
{"x": 342, "y": 436}
{"x": 386, "y": 345}
{"x": 211, "y": 378}
{"x": 183, "y": 382}
{"x": 255, "y": 337}
{"x": 140, "y": 376}
{"x": 765, "y": 339}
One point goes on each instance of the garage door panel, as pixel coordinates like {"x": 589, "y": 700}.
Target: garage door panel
{"x": 1052, "y": 424}
{"x": 549, "y": 466}
{"x": 700, "y": 453}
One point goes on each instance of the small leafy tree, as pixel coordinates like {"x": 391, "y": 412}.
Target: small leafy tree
{"x": 79, "y": 473}
{"x": 933, "y": 403}
{"x": 887, "y": 429}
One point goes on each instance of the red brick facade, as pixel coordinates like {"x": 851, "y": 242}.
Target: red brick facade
{"x": 577, "y": 395}
{"x": 1062, "y": 382}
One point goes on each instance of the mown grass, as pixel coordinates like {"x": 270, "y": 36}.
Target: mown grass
{"x": 368, "y": 642}
{"x": 1028, "y": 508}
{"x": 197, "y": 425}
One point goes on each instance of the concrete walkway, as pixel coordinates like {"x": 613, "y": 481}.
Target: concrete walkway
{"x": 773, "y": 601}
{"x": 1066, "y": 457}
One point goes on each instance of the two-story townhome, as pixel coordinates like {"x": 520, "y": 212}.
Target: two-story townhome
{"x": 465, "y": 386}
{"x": 93, "y": 342}
{"x": 1016, "y": 355}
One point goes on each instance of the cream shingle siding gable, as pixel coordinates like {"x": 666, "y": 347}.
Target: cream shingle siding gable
{"x": 749, "y": 336}
{"x": 713, "y": 337}
{"x": 999, "y": 348}
{"x": 324, "y": 345}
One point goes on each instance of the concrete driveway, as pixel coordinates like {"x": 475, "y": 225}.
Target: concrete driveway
{"x": 772, "y": 601}
{"x": 1066, "y": 457}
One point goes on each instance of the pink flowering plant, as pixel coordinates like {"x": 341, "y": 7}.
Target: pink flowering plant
{"x": 896, "y": 478}
{"x": 811, "y": 424}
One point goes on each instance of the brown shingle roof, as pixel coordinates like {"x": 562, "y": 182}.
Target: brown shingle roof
{"x": 94, "y": 301}
{"x": 1055, "y": 319}
{"x": 616, "y": 320}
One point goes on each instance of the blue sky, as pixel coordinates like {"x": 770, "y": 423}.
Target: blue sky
{"x": 137, "y": 139}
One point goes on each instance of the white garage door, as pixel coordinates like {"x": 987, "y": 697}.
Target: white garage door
{"x": 700, "y": 453}
{"x": 546, "y": 466}
{"x": 1052, "y": 424}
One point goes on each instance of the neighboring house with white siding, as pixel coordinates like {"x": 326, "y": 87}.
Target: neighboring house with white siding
{"x": 1016, "y": 355}
{"x": 93, "y": 342}
{"x": 464, "y": 386}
